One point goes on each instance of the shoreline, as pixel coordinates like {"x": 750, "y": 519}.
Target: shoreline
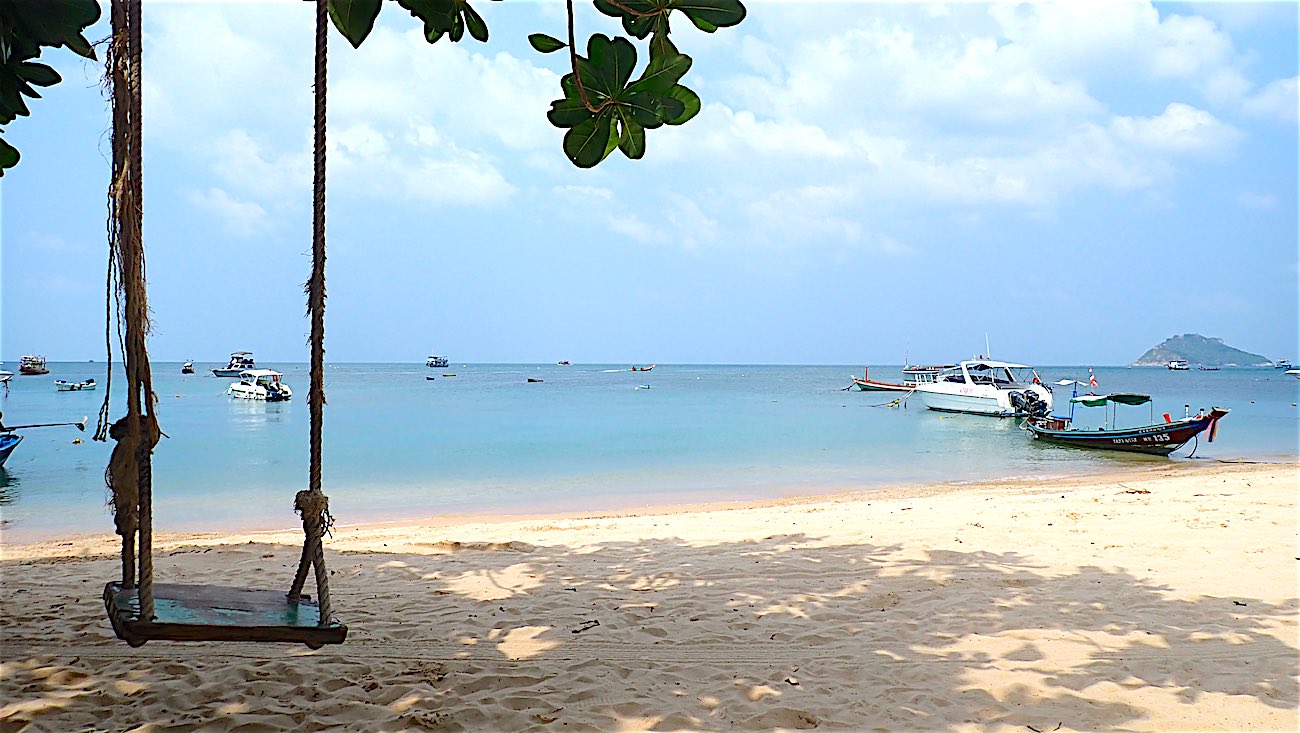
{"x": 1145, "y": 601}
{"x": 630, "y": 508}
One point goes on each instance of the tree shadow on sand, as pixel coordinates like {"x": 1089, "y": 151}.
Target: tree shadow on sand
{"x": 785, "y": 632}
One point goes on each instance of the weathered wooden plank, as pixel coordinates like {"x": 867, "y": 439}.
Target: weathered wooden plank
{"x": 219, "y": 613}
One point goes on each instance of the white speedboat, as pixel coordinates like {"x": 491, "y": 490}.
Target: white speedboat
{"x": 187, "y": 367}
{"x": 1178, "y": 365}
{"x": 240, "y": 362}
{"x": 5, "y": 376}
{"x": 260, "y": 384}
{"x": 66, "y": 386}
{"x": 985, "y": 387}
{"x": 436, "y": 361}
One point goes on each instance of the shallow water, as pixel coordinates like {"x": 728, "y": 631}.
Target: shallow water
{"x": 488, "y": 441}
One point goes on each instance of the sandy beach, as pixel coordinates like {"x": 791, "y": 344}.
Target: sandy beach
{"x": 1162, "y": 599}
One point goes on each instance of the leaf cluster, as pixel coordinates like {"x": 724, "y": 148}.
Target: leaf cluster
{"x": 26, "y": 27}
{"x": 603, "y": 107}
{"x": 451, "y": 18}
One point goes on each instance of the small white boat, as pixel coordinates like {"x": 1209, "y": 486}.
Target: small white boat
{"x": 985, "y": 387}
{"x": 66, "y": 386}
{"x": 5, "y": 376}
{"x": 436, "y": 361}
{"x": 260, "y": 384}
{"x": 188, "y": 367}
{"x": 240, "y": 362}
{"x": 1293, "y": 372}
{"x": 1179, "y": 365}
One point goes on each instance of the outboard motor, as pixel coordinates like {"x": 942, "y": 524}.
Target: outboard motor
{"x": 1018, "y": 401}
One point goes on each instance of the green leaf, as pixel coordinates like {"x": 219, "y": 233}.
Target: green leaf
{"x": 585, "y": 144}
{"x": 477, "y": 28}
{"x": 433, "y": 35}
{"x": 613, "y": 60}
{"x": 354, "y": 18}
{"x": 632, "y": 140}
{"x": 457, "y": 31}
{"x": 39, "y": 74}
{"x": 568, "y": 112}
{"x": 662, "y": 73}
{"x": 8, "y": 156}
{"x": 644, "y": 108}
{"x": 713, "y": 14}
{"x": 545, "y": 43}
{"x": 50, "y": 23}
{"x": 690, "y": 104}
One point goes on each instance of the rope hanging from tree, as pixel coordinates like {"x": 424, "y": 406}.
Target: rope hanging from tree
{"x": 130, "y": 471}
{"x": 312, "y": 503}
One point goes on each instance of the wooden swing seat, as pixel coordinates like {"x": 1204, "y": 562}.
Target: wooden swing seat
{"x": 219, "y": 613}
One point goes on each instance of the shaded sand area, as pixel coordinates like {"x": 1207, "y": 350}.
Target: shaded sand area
{"x": 1156, "y": 600}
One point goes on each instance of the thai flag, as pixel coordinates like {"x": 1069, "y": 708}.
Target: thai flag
{"x": 1092, "y": 380}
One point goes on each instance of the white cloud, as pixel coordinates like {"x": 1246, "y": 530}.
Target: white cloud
{"x": 1179, "y": 129}
{"x": 1277, "y": 100}
{"x": 241, "y": 218}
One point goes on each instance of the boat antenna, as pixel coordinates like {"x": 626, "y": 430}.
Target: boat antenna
{"x": 988, "y": 353}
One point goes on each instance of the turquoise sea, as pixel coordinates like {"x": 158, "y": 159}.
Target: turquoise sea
{"x": 487, "y": 441}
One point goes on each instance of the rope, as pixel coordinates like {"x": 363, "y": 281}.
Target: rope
{"x": 129, "y": 474}
{"x": 312, "y": 504}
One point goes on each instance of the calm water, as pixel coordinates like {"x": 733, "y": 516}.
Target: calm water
{"x": 487, "y": 441}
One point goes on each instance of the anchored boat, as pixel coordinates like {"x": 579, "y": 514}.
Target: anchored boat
{"x": 240, "y": 362}
{"x": 66, "y": 386}
{"x": 867, "y": 384}
{"x": 436, "y": 361}
{"x": 8, "y": 441}
{"x": 32, "y": 365}
{"x": 1157, "y": 438}
{"x": 985, "y": 387}
{"x": 260, "y": 384}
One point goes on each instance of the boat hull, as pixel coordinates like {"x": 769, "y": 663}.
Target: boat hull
{"x": 74, "y": 386}
{"x": 8, "y": 441}
{"x": 228, "y": 372}
{"x": 1160, "y": 440}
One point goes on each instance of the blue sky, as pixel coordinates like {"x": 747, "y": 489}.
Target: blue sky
{"x": 1079, "y": 181}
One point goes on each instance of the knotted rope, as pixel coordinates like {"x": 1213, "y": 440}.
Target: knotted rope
{"x": 312, "y": 504}
{"x": 129, "y": 474}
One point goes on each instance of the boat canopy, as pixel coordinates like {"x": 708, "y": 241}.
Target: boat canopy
{"x": 260, "y": 373}
{"x": 989, "y": 363}
{"x": 1121, "y": 398}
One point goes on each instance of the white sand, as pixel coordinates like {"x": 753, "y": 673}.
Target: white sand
{"x": 1083, "y": 604}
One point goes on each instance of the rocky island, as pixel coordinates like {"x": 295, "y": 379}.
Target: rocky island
{"x": 1198, "y": 349}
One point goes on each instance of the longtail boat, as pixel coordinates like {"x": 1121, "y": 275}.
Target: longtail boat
{"x": 1157, "y": 439}
{"x": 867, "y": 384}
{"x": 8, "y": 441}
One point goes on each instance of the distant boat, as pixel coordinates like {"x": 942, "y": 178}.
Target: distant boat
{"x": 430, "y": 377}
{"x": 985, "y": 387}
{"x": 5, "y": 376}
{"x": 187, "y": 367}
{"x": 643, "y": 386}
{"x": 643, "y": 369}
{"x": 1281, "y": 364}
{"x": 260, "y": 384}
{"x": 564, "y": 363}
{"x": 65, "y": 386}
{"x": 1293, "y": 372}
{"x": 867, "y": 384}
{"x": 1178, "y": 365}
{"x": 8, "y": 441}
{"x": 437, "y": 361}
{"x": 1157, "y": 439}
{"x": 32, "y": 365}
{"x": 1204, "y": 368}
{"x": 240, "y": 362}
{"x": 534, "y": 379}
